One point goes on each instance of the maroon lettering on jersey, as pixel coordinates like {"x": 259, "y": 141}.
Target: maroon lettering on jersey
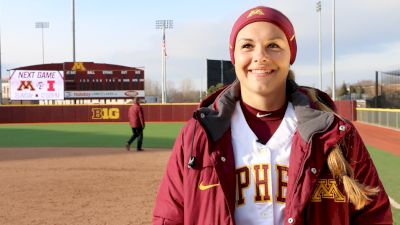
{"x": 261, "y": 183}
{"x": 282, "y": 172}
{"x": 243, "y": 181}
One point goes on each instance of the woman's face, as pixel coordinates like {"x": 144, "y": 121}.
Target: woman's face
{"x": 262, "y": 59}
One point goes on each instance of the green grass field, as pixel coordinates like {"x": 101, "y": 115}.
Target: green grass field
{"x": 388, "y": 167}
{"x": 156, "y": 135}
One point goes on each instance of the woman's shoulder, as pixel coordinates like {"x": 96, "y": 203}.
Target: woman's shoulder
{"x": 192, "y": 126}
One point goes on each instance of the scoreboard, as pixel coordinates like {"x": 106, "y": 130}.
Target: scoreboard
{"x": 94, "y": 80}
{"x": 76, "y": 80}
{"x": 220, "y": 71}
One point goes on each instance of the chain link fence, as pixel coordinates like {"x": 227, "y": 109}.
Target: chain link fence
{"x": 383, "y": 117}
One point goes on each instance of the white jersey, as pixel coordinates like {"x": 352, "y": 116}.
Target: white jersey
{"x": 261, "y": 170}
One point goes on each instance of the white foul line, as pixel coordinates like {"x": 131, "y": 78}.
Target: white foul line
{"x": 394, "y": 203}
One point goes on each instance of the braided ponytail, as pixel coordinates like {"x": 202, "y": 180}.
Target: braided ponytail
{"x": 358, "y": 193}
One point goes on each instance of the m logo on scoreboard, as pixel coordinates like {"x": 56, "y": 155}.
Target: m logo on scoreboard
{"x": 78, "y": 66}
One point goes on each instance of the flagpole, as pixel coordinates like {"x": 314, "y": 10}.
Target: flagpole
{"x": 163, "y": 70}
{"x": 164, "y": 24}
{"x": 319, "y": 9}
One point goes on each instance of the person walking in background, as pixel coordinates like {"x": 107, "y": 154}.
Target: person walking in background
{"x": 137, "y": 123}
{"x": 265, "y": 150}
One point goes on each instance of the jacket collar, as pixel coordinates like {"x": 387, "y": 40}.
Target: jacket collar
{"x": 216, "y": 111}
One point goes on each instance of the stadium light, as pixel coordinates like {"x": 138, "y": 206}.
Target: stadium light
{"x": 318, "y": 8}
{"x": 164, "y": 24}
{"x": 333, "y": 53}
{"x": 42, "y": 25}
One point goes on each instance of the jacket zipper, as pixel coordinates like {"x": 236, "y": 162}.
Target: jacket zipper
{"x": 311, "y": 141}
{"x": 225, "y": 197}
{"x": 309, "y": 152}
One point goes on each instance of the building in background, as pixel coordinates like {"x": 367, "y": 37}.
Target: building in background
{"x": 5, "y": 90}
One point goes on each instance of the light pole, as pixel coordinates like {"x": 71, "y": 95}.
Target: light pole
{"x": 333, "y": 53}
{"x": 73, "y": 30}
{"x": 318, "y": 7}
{"x": 42, "y": 25}
{"x": 164, "y": 24}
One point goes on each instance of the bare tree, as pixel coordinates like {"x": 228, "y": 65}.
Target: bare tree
{"x": 152, "y": 88}
{"x": 190, "y": 94}
{"x": 184, "y": 93}
{"x": 173, "y": 95}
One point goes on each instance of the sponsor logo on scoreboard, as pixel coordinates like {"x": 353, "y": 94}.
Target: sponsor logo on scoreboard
{"x": 103, "y": 94}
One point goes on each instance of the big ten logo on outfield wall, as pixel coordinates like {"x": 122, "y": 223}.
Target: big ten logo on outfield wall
{"x": 105, "y": 113}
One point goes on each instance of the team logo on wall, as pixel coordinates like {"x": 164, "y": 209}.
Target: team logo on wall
{"x": 105, "y": 113}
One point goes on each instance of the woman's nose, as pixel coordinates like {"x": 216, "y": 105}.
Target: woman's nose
{"x": 261, "y": 55}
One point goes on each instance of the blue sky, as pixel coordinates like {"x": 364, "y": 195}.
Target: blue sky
{"x": 123, "y": 32}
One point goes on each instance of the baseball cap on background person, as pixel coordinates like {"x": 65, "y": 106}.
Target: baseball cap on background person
{"x": 264, "y": 14}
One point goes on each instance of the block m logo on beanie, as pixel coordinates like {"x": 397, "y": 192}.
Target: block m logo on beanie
{"x": 255, "y": 12}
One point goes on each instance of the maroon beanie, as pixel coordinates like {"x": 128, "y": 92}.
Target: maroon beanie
{"x": 262, "y": 13}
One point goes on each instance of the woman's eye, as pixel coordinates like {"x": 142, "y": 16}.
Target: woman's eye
{"x": 273, "y": 45}
{"x": 247, "y": 45}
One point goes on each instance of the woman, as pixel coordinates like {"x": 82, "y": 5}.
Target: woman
{"x": 266, "y": 151}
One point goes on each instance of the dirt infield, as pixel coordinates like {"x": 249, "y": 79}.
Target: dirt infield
{"x": 79, "y": 186}
{"x": 380, "y": 137}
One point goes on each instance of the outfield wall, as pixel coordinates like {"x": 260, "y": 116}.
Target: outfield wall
{"x": 347, "y": 109}
{"x": 93, "y": 113}
{"x": 173, "y": 112}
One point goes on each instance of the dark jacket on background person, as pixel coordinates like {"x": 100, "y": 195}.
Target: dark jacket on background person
{"x": 313, "y": 195}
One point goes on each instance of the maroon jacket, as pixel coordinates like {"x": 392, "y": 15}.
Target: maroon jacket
{"x": 135, "y": 116}
{"x": 313, "y": 195}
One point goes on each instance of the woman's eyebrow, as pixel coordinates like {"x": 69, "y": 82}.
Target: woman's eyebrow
{"x": 276, "y": 39}
{"x": 245, "y": 39}
{"x": 269, "y": 39}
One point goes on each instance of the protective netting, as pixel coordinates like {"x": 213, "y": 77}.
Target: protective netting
{"x": 389, "y": 89}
